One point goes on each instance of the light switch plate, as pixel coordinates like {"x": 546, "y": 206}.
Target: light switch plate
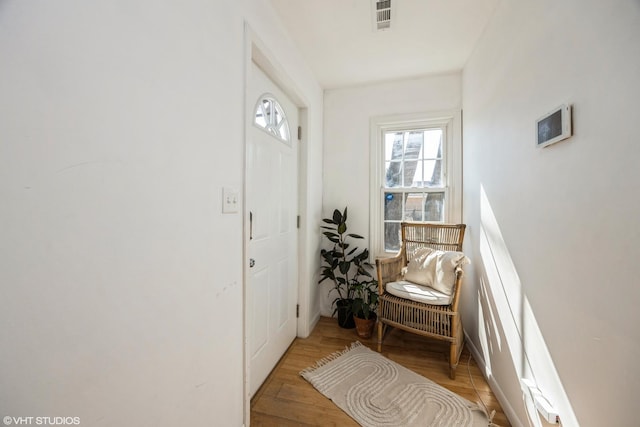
{"x": 230, "y": 200}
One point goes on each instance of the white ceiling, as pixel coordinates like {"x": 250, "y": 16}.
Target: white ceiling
{"x": 338, "y": 40}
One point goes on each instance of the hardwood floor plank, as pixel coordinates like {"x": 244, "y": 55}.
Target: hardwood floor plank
{"x": 286, "y": 399}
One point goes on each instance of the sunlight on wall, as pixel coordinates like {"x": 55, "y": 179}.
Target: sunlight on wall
{"x": 490, "y": 337}
{"x": 508, "y": 318}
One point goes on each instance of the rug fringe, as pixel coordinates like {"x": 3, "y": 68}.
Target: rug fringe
{"x": 487, "y": 414}
{"x": 333, "y": 356}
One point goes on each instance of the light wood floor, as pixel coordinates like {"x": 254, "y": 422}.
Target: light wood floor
{"x": 286, "y": 399}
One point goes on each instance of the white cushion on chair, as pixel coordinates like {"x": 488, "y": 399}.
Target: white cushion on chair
{"x": 434, "y": 268}
{"x": 418, "y": 293}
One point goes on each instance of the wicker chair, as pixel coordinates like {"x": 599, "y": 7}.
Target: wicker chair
{"x": 434, "y": 321}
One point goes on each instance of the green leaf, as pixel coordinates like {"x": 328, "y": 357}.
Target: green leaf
{"x": 330, "y": 234}
{"x": 344, "y": 267}
{"x": 355, "y": 236}
{"x": 337, "y": 217}
{"x": 344, "y": 215}
{"x": 342, "y": 228}
{"x": 328, "y": 221}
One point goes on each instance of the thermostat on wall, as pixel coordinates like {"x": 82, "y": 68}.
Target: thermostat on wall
{"x": 554, "y": 126}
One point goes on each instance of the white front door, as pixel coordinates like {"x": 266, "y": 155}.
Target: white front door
{"x": 271, "y": 213}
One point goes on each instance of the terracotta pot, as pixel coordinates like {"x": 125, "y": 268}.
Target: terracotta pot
{"x": 364, "y": 327}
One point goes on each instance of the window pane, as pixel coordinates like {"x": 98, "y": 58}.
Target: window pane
{"x": 283, "y": 130}
{"x": 260, "y": 119}
{"x": 392, "y": 206}
{"x": 433, "y": 144}
{"x": 412, "y": 153}
{"x": 393, "y": 145}
{"x": 413, "y": 148}
{"x": 434, "y": 207}
{"x": 391, "y": 236}
{"x": 266, "y": 106}
{"x": 433, "y": 173}
{"x": 393, "y": 174}
{"x": 413, "y": 203}
{"x": 277, "y": 116}
{"x": 414, "y": 171}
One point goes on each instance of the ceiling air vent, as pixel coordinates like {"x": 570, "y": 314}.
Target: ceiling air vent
{"x": 382, "y": 12}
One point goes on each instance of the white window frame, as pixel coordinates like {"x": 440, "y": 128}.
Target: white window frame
{"x": 451, "y": 122}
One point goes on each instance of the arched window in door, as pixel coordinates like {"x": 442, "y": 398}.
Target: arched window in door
{"x": 270, "y": 116}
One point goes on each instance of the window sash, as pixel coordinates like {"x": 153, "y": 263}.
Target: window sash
{"x": 449, "y": 186}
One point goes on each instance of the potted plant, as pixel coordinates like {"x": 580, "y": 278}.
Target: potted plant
{"x": 365, "y": 303}
{"x": 344, "y": 265}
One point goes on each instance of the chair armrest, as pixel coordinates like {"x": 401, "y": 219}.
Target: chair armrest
{"x": 389, "y": 270}
{"x": 456, "y": 290}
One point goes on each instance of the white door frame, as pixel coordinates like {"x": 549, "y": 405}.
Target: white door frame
{"x": 256, "y": 51}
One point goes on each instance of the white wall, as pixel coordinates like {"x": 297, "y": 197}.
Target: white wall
{"x": 347, "y": 118}
{"x": 120, "y": 279}
{"x": 553, "y": 232}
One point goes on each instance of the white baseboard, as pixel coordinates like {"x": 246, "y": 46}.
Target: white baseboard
{"x": 495, "y": 387}
{"x": 314, "y": 321}
{"x": 305, "y": 330}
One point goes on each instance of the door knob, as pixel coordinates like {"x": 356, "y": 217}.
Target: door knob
{"x": 252, "y": 262}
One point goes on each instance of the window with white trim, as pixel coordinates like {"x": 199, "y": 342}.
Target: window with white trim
{"x": 415, "y": 174}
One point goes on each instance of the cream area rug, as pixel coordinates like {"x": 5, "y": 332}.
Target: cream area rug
{"x": 376, "y": 391}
